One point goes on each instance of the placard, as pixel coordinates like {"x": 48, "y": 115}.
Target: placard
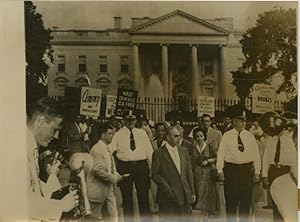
{"x": 90, "y": 101}
{"x": 111, "y": 102}
{"x": 263, "y": 98}
{"x": 206, "y": 105}
{"x": 126, "y": 99}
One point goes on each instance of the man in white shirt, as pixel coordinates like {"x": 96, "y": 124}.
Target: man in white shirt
{"x": 238, "y": 160}
{"x": 134, "y": 152}
{"x": 103, "y": 178}
{"x": 42, "y": 124}
{"x": 280, "y": 158}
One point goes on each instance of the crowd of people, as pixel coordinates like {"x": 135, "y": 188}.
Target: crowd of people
{"x": 170, "y": 170}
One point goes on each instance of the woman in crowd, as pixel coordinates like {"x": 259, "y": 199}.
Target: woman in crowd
{"x": 204, "y": 160}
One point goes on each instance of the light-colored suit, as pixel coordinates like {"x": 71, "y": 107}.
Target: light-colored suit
{"x": 101, "y": 182}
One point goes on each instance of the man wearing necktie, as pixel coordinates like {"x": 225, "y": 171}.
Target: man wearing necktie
{"x": 238, "y": 165}
{"x": 103, "y": 178}
{"x": 133, "y": 151}
{"x": 172, "y": 172}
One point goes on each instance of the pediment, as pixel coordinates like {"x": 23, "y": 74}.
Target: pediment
{"x": 178, "y": 22}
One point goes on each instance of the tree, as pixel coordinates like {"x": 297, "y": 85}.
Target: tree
{"x": 38, "y": 51}
{"x": 270, "y": 48}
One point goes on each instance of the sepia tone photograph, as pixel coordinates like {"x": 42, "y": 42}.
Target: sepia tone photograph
{"x": 142, "y": 111}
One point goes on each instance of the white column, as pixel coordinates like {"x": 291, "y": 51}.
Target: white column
{"x": 164, "y": 62}
{"x": 222, "y": 73}
{"x": 195, "y": 73}
{"x": 170, "y": 83}
{"x": 136, "y": 66}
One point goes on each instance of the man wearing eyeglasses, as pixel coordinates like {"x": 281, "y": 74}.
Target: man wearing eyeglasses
{"x": 239, "y": 166}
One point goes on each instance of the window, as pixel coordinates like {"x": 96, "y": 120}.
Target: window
{"x": 82, "y": 64}
{"x": 208, "y": 91}
{"x": 61, "y": 64}
{"x": 124, "y": 64}
{"x": 60, "y": 84}
{"x": 125, "y": 83}
{"x": 104, "y": 84}
{"x": 81, "y": 82}
{"x": 208, "y": 68}
{"x": 103, "y": 64}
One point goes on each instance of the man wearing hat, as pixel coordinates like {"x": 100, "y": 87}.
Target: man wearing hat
{"x": 238, "y": 165}
{"x": 134, "y": 153}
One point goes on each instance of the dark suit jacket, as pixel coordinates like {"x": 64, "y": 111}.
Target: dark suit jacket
{"x": 190, "y": 147}
{"x": 75, "y": 140}
{"x": 172, "y": 186}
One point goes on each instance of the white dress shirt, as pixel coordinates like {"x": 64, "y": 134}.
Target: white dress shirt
{"x": 288, "y": 153}
{"x": 41, "y": 207}
{"x": 229, "y": 152}
{"x": 173, "y": 151}
{"x": 121, "y": 144}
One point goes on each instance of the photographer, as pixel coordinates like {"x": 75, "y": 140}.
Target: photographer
{"x": 279, "y": 171}
{"x": 42, "y": 124}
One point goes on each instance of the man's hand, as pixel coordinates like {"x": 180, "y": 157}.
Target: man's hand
{"x": 256, "y": 178}
{"x": 69, "y": 201}
{"x": 193, "y": 198}
{"x": 265, "y": 182}
{"x": 204, "y": 163}
{"x": 53, "y": 169}
{"x": 221, "y": 177}
{"x": 122, "y": 177}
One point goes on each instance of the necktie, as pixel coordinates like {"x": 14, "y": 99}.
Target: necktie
{"x": 132, "y": 142}
{"x": 240, "y": 144}
{"x": 277, "y": 154}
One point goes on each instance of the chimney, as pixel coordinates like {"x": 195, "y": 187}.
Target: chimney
{"x": 118, "y": 22}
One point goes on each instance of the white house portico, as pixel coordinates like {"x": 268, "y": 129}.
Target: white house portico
{"x": 189, "y": 55}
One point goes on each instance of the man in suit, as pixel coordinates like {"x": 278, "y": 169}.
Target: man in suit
{"x": 172, "y": 172}
{"x": 160, "y": 139}
{"x": 185, "y": 143}
{"x": 228, "y": 125}
{"x": 77, "y": 136}
{"x": 102, "y": 180}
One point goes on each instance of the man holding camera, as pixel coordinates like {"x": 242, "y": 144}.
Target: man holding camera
{"x": 43, "y": 122}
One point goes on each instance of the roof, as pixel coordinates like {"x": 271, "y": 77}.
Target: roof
{"x": 176, "y": 13}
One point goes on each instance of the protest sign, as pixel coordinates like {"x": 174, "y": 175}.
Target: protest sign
{"x": 90, "y": 101}
{"x": 263, "y": 98}
{"x": 206, "y": 105}
{"x": 111, "y": 102}
{"x": 126, "y": 99}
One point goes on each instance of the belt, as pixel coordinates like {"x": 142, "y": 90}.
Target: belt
{"x": 132, "y": 161}
{"x": 279, "y": 166}
{"x": 239, "y": 164}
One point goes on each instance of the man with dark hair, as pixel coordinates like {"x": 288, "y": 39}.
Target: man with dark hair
{"x": 228, "y": 125}
{"x": 160, "y": 138}
{"x": 134, "y": 153}
{"x": 101, "y": 182}
{"x": 172, "y": 172}
{"x": 43, "y": 123}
